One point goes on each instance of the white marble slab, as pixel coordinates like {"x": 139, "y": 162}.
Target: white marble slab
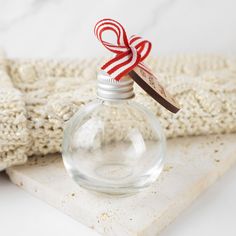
{"x": 64, "y": 28}
{"x": 193, "y": 164}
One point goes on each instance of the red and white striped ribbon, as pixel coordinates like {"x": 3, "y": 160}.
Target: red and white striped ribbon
{"x": 129, "y": 52}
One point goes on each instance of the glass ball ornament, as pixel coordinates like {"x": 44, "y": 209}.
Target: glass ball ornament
{"x": 113, "y": 144}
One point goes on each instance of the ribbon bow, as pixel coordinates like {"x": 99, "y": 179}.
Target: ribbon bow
{"x": 129, "y": 52}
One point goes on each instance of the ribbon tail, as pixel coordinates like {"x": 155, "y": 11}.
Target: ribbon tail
{"x": 146, "y": 68}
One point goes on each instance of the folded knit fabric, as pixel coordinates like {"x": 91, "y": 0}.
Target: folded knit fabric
{"x": 53, "y": 91}
{"x": 13, "y": 122}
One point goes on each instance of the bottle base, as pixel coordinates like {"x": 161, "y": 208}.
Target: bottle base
{"x": 116, "y": 179}
{"x": 114, "y": 171}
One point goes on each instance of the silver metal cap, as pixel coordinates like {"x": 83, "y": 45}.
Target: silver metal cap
{"x": 111, "y": 89}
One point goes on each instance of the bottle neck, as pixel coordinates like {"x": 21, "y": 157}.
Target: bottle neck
{"x": 112, "y": 90}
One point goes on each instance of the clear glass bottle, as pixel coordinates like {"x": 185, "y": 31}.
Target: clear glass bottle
{"x": 113, "y": 144}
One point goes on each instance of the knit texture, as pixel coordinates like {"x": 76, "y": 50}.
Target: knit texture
{"x": 13, "y": 122}
{"x": 38, "y": 96}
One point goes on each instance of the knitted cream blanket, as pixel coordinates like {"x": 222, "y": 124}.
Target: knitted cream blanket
{"x": 37, "y": 97}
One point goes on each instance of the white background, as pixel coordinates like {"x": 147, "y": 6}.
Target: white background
{"x": 64, "y": 29}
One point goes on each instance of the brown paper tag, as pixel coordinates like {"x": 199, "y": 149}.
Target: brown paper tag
{"x": 152, "y": 86}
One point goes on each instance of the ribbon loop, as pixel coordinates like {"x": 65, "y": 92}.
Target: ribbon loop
{"x": 129, "y": 52}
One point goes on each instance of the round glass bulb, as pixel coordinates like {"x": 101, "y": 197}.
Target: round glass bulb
{"x": 115, "y": 147}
